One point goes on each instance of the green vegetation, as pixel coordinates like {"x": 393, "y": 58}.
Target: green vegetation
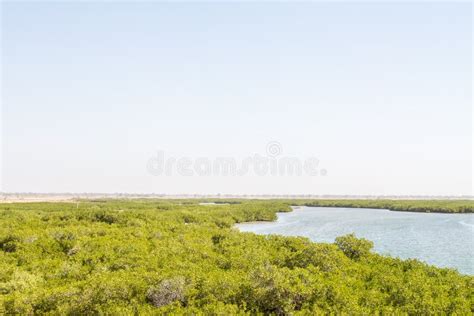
{"x": 435, "y": 206}
{"x": 146, "y": 257}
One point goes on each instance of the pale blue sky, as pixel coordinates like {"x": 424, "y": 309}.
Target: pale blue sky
{"x": 381, "y": 94}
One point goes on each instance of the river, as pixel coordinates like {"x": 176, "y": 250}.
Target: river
{"x": 444, "y": 240}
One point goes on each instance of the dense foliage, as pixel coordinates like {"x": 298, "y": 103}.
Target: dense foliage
{"x": 179, "y": 257}
{"x": 435, "y": 206}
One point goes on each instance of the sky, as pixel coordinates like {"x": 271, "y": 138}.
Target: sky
{"x": 98, "y": 97}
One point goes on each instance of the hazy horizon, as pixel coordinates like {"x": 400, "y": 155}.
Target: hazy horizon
{"x": 379, "y": 94}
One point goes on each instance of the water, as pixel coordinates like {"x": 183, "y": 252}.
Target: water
{"x": 444, "y": 240}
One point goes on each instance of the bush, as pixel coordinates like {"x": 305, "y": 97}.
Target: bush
{"x": 353, "y": 247}
{"x": 9, "y": 243}
{"x": 167, "y": 292}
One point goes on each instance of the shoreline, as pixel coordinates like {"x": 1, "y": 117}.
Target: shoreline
{"x": 446, "y": 206}
{"x": 260, "y": 230}
{"x": 295, "y": 208}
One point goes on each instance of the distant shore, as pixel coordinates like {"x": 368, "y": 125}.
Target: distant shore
{"x": 72, "y": 197}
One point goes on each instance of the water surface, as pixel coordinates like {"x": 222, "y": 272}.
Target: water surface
{"x": 444, "y": 240}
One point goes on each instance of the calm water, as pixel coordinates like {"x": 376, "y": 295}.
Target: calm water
{"x": 444, "y": 240}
